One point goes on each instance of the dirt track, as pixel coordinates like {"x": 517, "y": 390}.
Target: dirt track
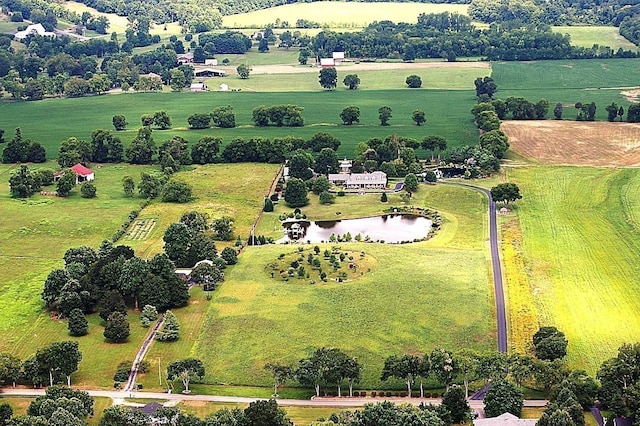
{"x": 362, "y": 66}
{"x": 575, "y": 143}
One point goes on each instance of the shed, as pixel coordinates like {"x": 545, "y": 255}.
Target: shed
{"x": 83, "y": 174}
{"x": 338, "y": 57}
{"x": 185, "y": 58}
{"x": 211, "y": 62}
{"x": 224, "y": 87}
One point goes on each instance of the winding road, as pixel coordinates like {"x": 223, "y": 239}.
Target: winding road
{"x": 501, "y": 316}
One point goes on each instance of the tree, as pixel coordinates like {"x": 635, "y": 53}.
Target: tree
{"x": 117, "y": 328}
{"x": 503, "y": 397}
{"x": 550, "y": 344}
{"x": 406, "y": 368}
{"x": 495, "y": 142}
{"x": 78, "y": 324}
{"x": 111, "y": 302}
{"x": 419, "y": 117}
{"x": 170, "y": 331}
{"x": 280, "y": 373}
{"x": 16, "y": 149}
{"x": 186, "y": 370}
{"x": 88, "y": 190}
{"x": 443, "y": 366}
{"x": 326, "y": 198}
{"x": 223, "y": 228}
{"x": 350, "y": 115}
{"x": 268, "y": 205}
{"x": 541, "y": 108}
{"x": 224, "y": 117}
{"x": 148, "y": 315}
{"x": 142, "y": 147}
{"x": 557, "y": 111}
{"x": 487, "y": 121}
{"x": 199, "y": 121}
{"x": 22, "y": 183}
{"x": 263, "y": 45}
{"x": 320, "y": 185}
{"x": 612, "y": 111}
{"x": 383, "y": 197}
{"x": 206, "y": 150}
{"x": 295, "y": 193}
{"x": 326, "y": 162}
{"x": 266, "y": 413}
{"x": 207, "y": 275}
{"x": 229, "y": 255}
{"x": 6, "y": 412}
{"x": 620, "y": 113}
{"x": 176, "y": 191}
{"x": 456, "y": 402}
{"x": 162, "y": 120}
{"x": 411, "y": 183}
{"x": 10, "y": 370}
{"x": 633, "y": 114}
{"x": 128, "y": 186}
{"x": 64, "y": 357}
{"x": 66, "y": 182}
{"x": 328, "y": 78}
{"x": 150, "y": 186}
{"x": 146, "y": 119}
{"x": 303, "y": 56}
{"x": 506, "y": 192}
{"x": 485, "y": 86}
{"x": 178, "y": 80}
{"x": 243, "y": 71}
{"x": 352, "y": 81}
{"x": 414, "y": 81}
{"x": 384, "y": 114}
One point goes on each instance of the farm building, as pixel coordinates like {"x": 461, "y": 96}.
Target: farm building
{"x": 327, "y": 62}
{"x": 506, "y": 419}
{"x": 36, "y": 29}
{"x": 211, "y": 62}
{"x": 209, "y": 72}
{"x": 338, "y": 57}
{"x": 224, "y": 87}
{"x": 198, "y": 87}
{"x": 83, "y": 174}
{"x": 185, "y": 58}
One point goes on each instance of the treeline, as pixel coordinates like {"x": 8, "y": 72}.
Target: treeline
{"x": 450, "y": 36}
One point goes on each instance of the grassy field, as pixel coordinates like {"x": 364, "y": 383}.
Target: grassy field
{"x": 587, "y": 36}
{"x": 65, "y": 223}
{"x": 580, "y": 255}
{"x": 438, "y": 296}
{"x": 20, "y": 405}
{"x": 339, "y": 14}
{"x": 50, "y": 122}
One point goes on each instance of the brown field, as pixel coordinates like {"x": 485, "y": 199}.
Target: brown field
{"x": 575, "y": 143}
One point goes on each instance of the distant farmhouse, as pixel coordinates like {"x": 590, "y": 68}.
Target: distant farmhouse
{"x": 34, "y": 29}
{"x": 348, "y": 180}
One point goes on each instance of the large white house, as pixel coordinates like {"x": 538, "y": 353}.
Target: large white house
{"x": 375, "y": 180}
{"x": 36, "y": 29}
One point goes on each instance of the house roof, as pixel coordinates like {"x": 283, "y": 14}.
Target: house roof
{"x": 188, "y": 55}
{"x": 327, "y": 61}
{"x": 338, "y": 177}
{"x": 506, "y": 419}
{"x": 150, "y": 75}
{"x": 375, "y": 177}
{"x": 33, "y": 29}
{"x": 151, "y": 408}
{"x": 81, "y": 170}
{"x": 338, "y": 55}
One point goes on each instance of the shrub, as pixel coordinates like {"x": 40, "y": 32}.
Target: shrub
{"x": 88, "y": 190}
{"x": 326, "y": 198}
{"x": 356, "y": 393}
{"x": 341, "y": 193}
{"x": 383, "y": 197}
{"x": 373, "y": 394}
{"x": 268, "y": 205}
{"x": 229, "y": 255}
{"x": 363, "y": 393}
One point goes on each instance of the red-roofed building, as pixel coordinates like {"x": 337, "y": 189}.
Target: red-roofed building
{"x": 83, "y": 174}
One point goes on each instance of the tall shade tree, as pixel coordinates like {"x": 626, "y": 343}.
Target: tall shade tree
{"x": 384, "y": 114}
{"x": 117, "y": 328}
{"x": 419, "y": 117}
{"x": 280, "y": 373}
{"x": 352, "y": 81}
{"x": 506, "y": 192}
{"x": 503, "y": 397}
{"x": 295, "y": 193}
{"x": 186, "y": 370}
{"x": 406, "y": 368}
{"x": 328, "y": 78}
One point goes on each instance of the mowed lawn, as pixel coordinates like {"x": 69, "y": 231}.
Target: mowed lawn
{"x": 587, "y": 36}
{"x": 340, "y": 14}
{"x": 447, "y": 114}
{"x": 420, "y": 296}
{"x": 580, "y": 243}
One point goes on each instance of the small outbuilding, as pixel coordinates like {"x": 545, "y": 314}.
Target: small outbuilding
{"x": 224, "y": 87}
{"x": 211, "y": 62}
{"x": 338, "y": 57}
{"x": 506, "y": 419}
{"x": 185, "y": 58}
{"x": 198, "y": 87}
{"x": 327, "y": 62}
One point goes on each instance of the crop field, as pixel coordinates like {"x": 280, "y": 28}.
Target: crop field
{"x": 437, "y": 296}
{"x": 580, "y": 254}
{"x": 447, "y": 112}
{"x": 339, "y": 14}
{"x": 575, "y": 143}
{"x": 587, "y": 36}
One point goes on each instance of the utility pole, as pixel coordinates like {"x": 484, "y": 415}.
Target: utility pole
{"x": 159, "y": 373}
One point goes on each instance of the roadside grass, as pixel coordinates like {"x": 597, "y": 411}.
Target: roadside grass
{"x": 100, "y": 404}
{"x": 7, "y": 26}
{"x": 580, "y": 250}
{"x": 587, "y": 36}
{"x": 451, "y": 117}
{"x": 18, "y": 404}
{"x": 339, "y": 14}
{"x": 235, "y": 190}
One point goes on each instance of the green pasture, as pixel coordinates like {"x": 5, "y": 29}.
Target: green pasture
{"x": 54, "y": 120}
{"x": 587, "y": 36}
{"x": 419, "y": 296}
{"x": 581, "y": 255}
{"x": 339, "y": 14}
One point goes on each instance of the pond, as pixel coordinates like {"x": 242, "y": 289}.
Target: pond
{"x": 394, "y": 228}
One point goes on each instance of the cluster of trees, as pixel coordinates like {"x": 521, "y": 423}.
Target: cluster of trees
{"x": 518, "y": 107}
{"x": 449, "y": 36}
{"x": 620, "y": 381}
{"x": 227, "y": 42}
{"x": 103, "y": 147}
{"x": 278, "y": 115}
{"x": 58, "y": 406}
{"x": 50, "y": 365}
{"x": 21, "y": 150}
{"x": 222, "y": 116}
{"x": 108, "y": 281}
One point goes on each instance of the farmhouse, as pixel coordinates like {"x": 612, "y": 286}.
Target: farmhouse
{"x": 83, "y": 174}
{"x": 185, "y": 58}
{"x": 36, "y": 29}
{"x": 506, "y": 419}
{"x": 209, "y": 72}
{"x": 375, "y": 180}
{"x": 338, "y": 57}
